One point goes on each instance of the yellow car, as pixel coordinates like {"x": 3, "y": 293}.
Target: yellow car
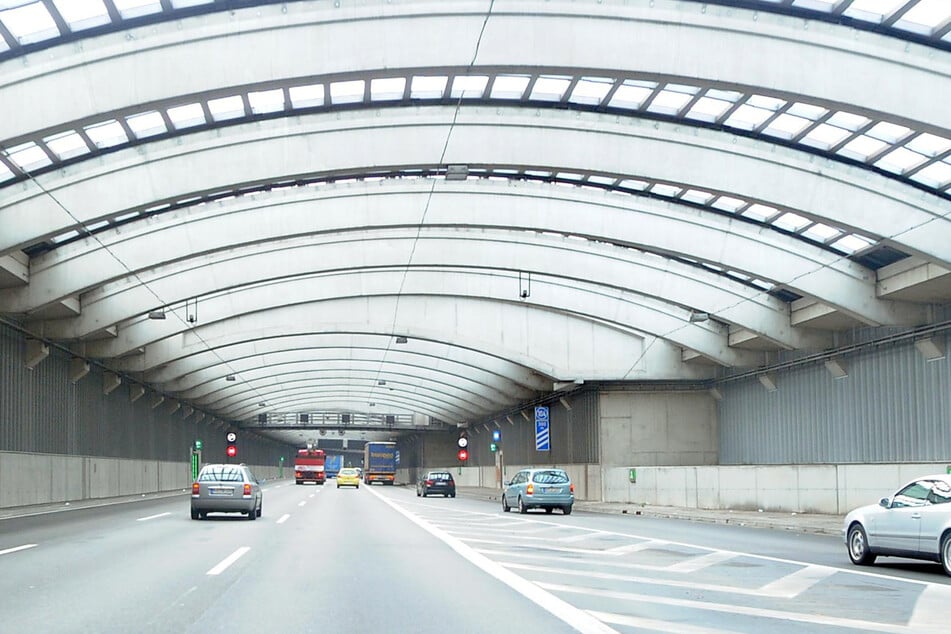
{"x": 348, "y": 477}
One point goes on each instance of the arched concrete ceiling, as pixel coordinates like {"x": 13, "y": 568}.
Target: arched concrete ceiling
{"x": 647, "y": 198}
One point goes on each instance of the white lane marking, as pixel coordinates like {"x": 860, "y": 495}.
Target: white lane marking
{"x": 633, "y": 548}
{"x": 302, "y": 503}
{"x": 152, "y": 517}
{"x": 312, "y": 495}
{"x": 227, "y": 561}
{"x": 283, "y": 518}
{"x": 694, "y": 564}
{"x": 578, "y": 619}
{"x": 652, "y": 624}
{"x": 574, "y": 538}
{"x": 582, "y": 551}
{"x": 868, "y": 626}
{"x": 792, "y": 585}
{"x": 931, "y": 610}
{"x": 561, "y": 560}
{"x": 17, "y": 549}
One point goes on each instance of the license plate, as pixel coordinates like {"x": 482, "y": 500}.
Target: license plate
{"x": 551, "y": 490}
{"x": 219, "y": 491}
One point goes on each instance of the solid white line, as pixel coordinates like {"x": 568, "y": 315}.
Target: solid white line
{"x": 869, "y": 626}
{"x": 931, "y": 610}
{"x": 17, "y": 549}
{"x": 794, "y": 584}
{"x": 578, "y": 619}
{"x": 283, "y": 518}
{"x": 302, "y": 503}
{"x": 227, "y": 561}
{"x": 653, "y": 624}
{"x": 633, "y": 548}
{"x": 152, "y": 517}
{"x": 699, "y": 563}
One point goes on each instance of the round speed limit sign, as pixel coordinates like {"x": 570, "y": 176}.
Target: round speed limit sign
{"x": 231, "y": 436}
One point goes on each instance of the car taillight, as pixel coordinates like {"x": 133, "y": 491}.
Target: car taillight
{"x": 530, "y": 489}
{"x": 572, "y": 487}
{"x": 429, "y": 483}
{"x": 298, "y": 474}
{"x": 194, "y": 488}
{"x": 247, "y": 489}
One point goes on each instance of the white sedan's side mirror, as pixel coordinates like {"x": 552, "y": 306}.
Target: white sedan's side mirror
{"x": 885, "y": 503}
{"x": 507, "y": 482}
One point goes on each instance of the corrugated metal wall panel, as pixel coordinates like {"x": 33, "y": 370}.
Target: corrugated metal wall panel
{"x": 892, "y": 407}
{"x": 42, "y": 411}
{"x": 574, "y": 435}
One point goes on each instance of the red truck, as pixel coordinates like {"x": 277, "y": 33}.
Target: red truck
{"x": 309, "y": 466}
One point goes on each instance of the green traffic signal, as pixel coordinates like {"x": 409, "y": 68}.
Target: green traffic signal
{"x": 198, "y": 445}
{"x": 493, "y": 447}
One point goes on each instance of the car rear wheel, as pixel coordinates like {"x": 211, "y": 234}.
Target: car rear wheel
{"x": 549, "y": 510}
{"x": 194, "y": 514}
{"x": 253, "y": 514}
{"x": 260, "y": 508}
{"x": 452, "y": 495}
{"x": 859, "y": 551}
{"x": 521, "y": 506}
{"x": 566, "y": 509}
{"x": 505, "y": 505}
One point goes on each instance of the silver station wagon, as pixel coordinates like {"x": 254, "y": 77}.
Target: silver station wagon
{"x": 547, "y": 489}
{"x": 226, "y": 488}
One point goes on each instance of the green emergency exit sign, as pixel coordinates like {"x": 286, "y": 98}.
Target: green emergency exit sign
{"x": 632, "y": 475}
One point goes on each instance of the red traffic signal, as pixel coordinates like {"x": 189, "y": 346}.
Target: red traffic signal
{"x": 463, "y": 455}
{"x": 232, "y": 451}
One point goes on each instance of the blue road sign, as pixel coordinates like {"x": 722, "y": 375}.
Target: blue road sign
{"x": 542, "y": 434}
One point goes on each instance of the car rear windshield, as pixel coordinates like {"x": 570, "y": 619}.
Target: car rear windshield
{"x": 348, "y": 472}
{"x": 221, "y": 474}
{"x": 439, "y": 476}
{"x": 550, "y": 477}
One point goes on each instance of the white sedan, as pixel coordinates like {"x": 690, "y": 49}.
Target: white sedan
{"x": 915, "y": 523}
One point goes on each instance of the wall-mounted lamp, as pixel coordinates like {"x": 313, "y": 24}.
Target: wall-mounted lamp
{"x": 457, "y": 172}
{"x": 696, "y": 317}
{"x": 230, "y": 377}
{"x": 262, "y": 404}
{"x": 156, "y": 314}
{"x": 402, "y": 340}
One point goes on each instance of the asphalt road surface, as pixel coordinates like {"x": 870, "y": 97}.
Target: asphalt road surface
{"x": 382, "y": 560}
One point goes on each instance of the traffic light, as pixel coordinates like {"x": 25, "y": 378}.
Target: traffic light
{"x": 494, "y": 447}
{"x": 232, "y": 449}
{"x": 463, "y": 455}
{"x": 463, "y": 441}
{"x": 496, "y": 439}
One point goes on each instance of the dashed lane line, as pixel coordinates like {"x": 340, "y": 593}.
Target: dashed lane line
{"x": 227, "y": 561}
{"x": 283, "y": 518}
{"x": 17, "y": 549}
{"x": 152, "y": 517}
{"x": 302, "y": 503}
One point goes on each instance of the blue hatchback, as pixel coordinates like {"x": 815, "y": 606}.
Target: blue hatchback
{"x": 547, "y": 489}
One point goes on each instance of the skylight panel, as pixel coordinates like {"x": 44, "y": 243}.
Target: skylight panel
{"x": 630, "y": 95}
{"x": 697, "y": 196}
{"x": 607, "y": 181}
{"x": 346, "y": 91}
{"x": 82, "y": 14}
{"x": 872, "y": 10}
{"x": 538, "y": 174}
{"x": 30, "y": 23}
{"x": 806, "y": 111}
{"x": 135, "y": 8}
{"x": 900, "y": 161}
{"x": 107, "y": 134}
{"x": 862, "y": 147}
{"x": 266, "y": 101}
{"x": 65, "y": 236}
{"x": 569, "y": 176}
{"x": 748, "y": 117}
{"x": 888, "y": 132}
{"x": 423, "y": 87}
{"x": 669, "y": 102}
{"x": 469, "y": 86}
{"x": 929, "y": 144}
{"x": 766, "y": 103}
{"x": 725, "y": 95}
{"x": 728, "y": 203}
{"x": 509, "y": 86}
{"x": 937, "y": 175}
{"x": 825, "y": 6}
{"x": 591, "y": 90}
{"x": 791, "y": 222}
{"x": 226, "y": 108}
{"x": 925, "y": 16}
{"x": 66, "y": 145}
{"x": 760, "y": 212}
{"x": 825, "y": 136}
{"x": 387, "y": 89}
{"x": 28, "y": 156}
{"x": 786, "y": 126}
{"x": 550, "y": 88}
{"x": 186, "y": 116}
{"x": 850, "y": 243}
{"x": 821, "y": 232}
{"x": 307, "y": 96}
{"x": 634, "y": 184}
{"x": 707, "y": 109}
{"x": 146, "y": 124}
{"x": 181, "y": 4}
{"x": 96, "y": 226}
{"x": 848, "y": 121}
{"x": 667, "y": 191}
{"x": 5, "y": 173}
